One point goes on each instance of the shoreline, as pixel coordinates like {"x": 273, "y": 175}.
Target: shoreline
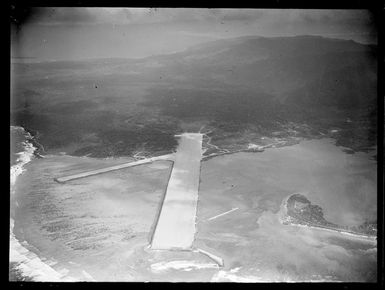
{"x": 281, "y": 144}
{"x": 23, "y": 263}
{"x": 203, "y": 159}
{"x": 32, "y": 138}
{"x": 261, "y": 148}
{"x": 285, "y": 220}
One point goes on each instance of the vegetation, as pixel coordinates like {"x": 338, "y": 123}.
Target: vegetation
{"x": 86, "y": 129}
{"x": 242, "y": 91}
{"x": 301, "y": 211}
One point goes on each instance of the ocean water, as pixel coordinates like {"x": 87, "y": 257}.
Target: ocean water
{"x": 256, "y": 246}
{"x": 344, "y": 185}
{"x": 24, "y": 264}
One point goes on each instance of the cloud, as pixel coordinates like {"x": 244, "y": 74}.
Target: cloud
{"x": 243, "y": 16}
{"x": 139, "y": 32}
{"x": 50, "y": 16}
{"x": 61, "y": 15}
{"x": 335, "y": 17}
{"x": 137, "y": 16}
{"x": 78, "y": 15}
{"x": 71, "y": 16}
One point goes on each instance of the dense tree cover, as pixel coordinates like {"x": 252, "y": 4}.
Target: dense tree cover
{"x": 233, "y": 86}
{"x": 300, "y": 210}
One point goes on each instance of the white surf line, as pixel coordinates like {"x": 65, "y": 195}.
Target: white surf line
{"x": 175, "y": 227}
{"x": 182, "y": 265}
{"x": 26, "y": 261}
{"x": 224, "y": 276}
{"x": 88, "y": 276}
{"x": 357, "y": 236}
{"x": 111, "y": 168}
{"x": 213, "y": 257}
{"x": 229, "y": 211}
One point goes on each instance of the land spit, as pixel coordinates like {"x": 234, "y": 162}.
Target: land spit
{"x": 176, "y": 223}
{"x": 175, "y": 228}
{"x": 112, "y": 168}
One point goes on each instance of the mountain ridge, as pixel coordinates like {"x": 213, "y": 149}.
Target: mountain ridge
{"x": 230, "y": 85}
{"x": 203, "y": 44}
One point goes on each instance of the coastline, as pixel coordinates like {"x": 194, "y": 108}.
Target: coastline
{"x": 248, "y": 150}
{"x": 286, "y": 220}
{"x": 254, "y": 148}
{"x": 32, "y": 139}
{"x": 24, "y": 264}
{"x": 58, "y": 277}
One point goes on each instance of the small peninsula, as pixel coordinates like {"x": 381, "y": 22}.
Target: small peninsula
{"x": 298, "y": 210}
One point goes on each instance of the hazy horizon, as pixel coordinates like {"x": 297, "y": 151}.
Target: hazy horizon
{"x": 97, "y": 33}
{"x": 241, "y": 143}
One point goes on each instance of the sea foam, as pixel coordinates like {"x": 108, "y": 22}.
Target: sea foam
{"x": 27, "y": 262}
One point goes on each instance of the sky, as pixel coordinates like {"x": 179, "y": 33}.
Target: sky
{"x": 87, "y": 33}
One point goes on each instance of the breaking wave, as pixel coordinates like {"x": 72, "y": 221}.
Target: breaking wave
{"x": 25, "y": 262}
{"x": 23, "y": 157}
